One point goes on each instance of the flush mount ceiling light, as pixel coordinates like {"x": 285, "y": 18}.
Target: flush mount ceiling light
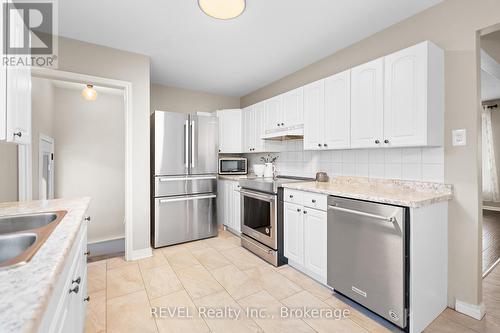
{"x": 222, "y": 9}
{"x": 89, "y": 93}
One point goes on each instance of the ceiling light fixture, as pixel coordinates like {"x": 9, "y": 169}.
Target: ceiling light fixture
{"x": 222, "y": 9}
{"x": 89, "y": 93}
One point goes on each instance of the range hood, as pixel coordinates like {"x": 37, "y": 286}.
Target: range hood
{"x": 285, "y": 133}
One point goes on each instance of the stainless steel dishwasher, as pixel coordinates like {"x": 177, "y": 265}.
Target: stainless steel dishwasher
{"x": 368, "y": 257}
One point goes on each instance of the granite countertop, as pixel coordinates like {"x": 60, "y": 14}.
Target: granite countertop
{"x": 390, "y": 191}
{"x": 26, "y": 290}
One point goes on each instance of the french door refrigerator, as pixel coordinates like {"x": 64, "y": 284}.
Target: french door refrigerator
{"x": 184, "y": 152}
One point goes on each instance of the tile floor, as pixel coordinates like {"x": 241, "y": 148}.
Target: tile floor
{"x": 219, "y": 274}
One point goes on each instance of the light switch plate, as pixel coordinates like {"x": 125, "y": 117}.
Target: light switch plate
{"x": 459, "y": 137}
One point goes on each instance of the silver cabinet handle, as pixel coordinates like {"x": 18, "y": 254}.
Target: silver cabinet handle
{"x": 74, "y": 290}
{"x": 298, "y": 210}
{"x": 77, "y": 281}
{"x": 186, "y": 144}
{"x": 165, "y": 179}
{"x": 188, "y": 198}
{"x": 192, "y": 143}
{"x": 87, "y": 218}
{"x": 386, "y": 141}
{"x": 357, "y": 212}
{"x": 377, "y": 141}
{"x": 86, "y": 299}
{"x": 18, "y": 133}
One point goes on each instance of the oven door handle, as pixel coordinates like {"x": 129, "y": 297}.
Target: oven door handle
{"x": 261, "y": 196}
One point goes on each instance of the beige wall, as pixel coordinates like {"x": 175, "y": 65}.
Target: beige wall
{"x": 453, "y": 25}
{"x": 42, "y": 122}
{"x": 90, "y": 157}
{"x": 91, "y": 59}
{"x": 182, "y": 100}
{"x": 8, "y": 172}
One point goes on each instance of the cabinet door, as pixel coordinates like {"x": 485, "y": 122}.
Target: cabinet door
{"x": 18, "y": 92}
{"x": 337, "y": 121}
{"x": 405, "y": 104}
{"x": 293, "y": 107}
{"x": 230, "y": 134}
{"x": 236, "y": 208}
{"x": 315, "y": 246}
{"x": 314, "y": 107}
{"x": 249, "y": 126}
{"x": 228, "y": 204}
{"x": 273, "y": 113}
{"x": 367, "y": 107}
{"x": 259, "y": 128}
{"x": 293, "y": 233}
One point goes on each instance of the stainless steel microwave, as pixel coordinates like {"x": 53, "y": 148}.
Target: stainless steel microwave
{"x": 233, "y": 166}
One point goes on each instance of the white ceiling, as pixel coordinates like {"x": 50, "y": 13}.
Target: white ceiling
{"x": 273, "y": 38}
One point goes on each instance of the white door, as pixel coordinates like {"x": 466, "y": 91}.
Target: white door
{"x": 293, "y": 233}
{"x": 18, "y": 90}
{"x": 293, "y": 107}
{"x": 405, "y": 104}
{"x": 3, "y": 86}
{"x": 249, "y": 132}
{"x": 273, "y": 113}
{"x": 315, "y": 246}
{"x": 236, "y": 208}
{"x": 367, "y": 105}
{"x": 314, "y": 107}
{"x": 45, "y": 168}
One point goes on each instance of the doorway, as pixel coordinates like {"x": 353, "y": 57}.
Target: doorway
{"x": 46, "y": 167}
{"x": 490, "y": 130}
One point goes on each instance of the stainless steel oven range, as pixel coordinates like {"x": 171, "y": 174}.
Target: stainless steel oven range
{"x": 262, "y": 217}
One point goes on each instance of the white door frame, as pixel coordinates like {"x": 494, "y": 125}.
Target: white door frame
{"x": 47, "y": 73}
{"x": 50, "y": 140}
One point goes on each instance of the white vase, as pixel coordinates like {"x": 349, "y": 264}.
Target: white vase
{"x": 269, "y": 170}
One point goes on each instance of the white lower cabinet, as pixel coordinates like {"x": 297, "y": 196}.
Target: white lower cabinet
{"x": 305, "y": 235}
{"x": 229, "y": 205}
{"x": 67, "y": 307}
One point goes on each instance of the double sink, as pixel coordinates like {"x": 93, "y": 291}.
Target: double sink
{"x": 21, "y": 236}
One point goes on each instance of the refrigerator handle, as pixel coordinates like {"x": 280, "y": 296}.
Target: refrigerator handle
{"x": 192, "y": 143}
{"x": 186, "y": 144}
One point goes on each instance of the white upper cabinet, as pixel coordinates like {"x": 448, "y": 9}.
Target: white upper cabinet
{"x": 414, "y": 96}
{"x": 254, "y": 118}
{"x": 249, "y": 129}
{"x": 293, "y": 108}
{"x": 367, "y": 104}
{"x": 259, "y": 129}
{"x": 314, "y": 108}
{"x": 273, "y": 114}
{"x": 15, "y": 94}
{"x": 337, "y": 112}
{"x": 230, "y": 131}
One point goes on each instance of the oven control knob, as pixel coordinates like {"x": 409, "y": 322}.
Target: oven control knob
{"x": 267, "y": 231}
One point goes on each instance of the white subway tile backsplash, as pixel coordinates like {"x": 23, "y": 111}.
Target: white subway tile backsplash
{"x": 411, "y": 171}
{"x": 362, "y": 156}
{"x": 349, "y": 156}
{"x": 377, "y": 170}
{"x": 393, "y": 170}
{"x": 377, "y": 156}
{"x": 392, "y": 155}
{"x": 433, "y": 155}
{"x": 425, "y": 164}
{"x": 411, "y": 155}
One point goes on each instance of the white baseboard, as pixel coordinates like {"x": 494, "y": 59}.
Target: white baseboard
{"x": 471, "y": 310}
{"x": 141, "y": 254}
{"x": 493, "y": 208}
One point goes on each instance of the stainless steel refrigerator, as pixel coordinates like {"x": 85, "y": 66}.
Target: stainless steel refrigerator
{"x": 184, "y": 151}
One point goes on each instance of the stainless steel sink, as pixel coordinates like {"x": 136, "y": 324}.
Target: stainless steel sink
{"x": 15, "y": 223}
{"x": 14, "y": 245}
{"x": 21, "y": 236}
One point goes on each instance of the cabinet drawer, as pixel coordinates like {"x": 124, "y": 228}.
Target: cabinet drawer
{"x": 293, "y": 196}
{"x": 314, "y": 200}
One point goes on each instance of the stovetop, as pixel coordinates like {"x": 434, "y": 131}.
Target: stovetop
{"x": 269, "y": 185}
